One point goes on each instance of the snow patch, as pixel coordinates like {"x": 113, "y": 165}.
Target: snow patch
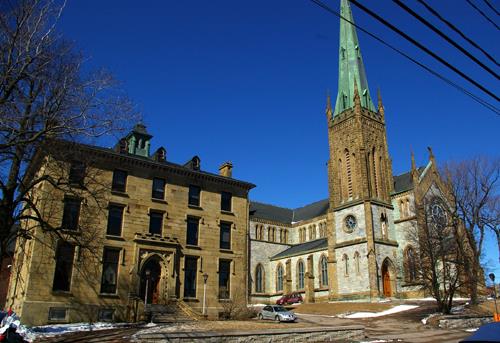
{"x": 471, "y": 330}
{"x": 59, "y": 329}
{"x": 396, "y": 309}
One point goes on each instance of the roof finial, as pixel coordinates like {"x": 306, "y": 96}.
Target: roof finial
{"x": 431, "y": 155}
{"x": 381, "y": 109}
{"x": 413, "y": 164}
{"x": 328, "y": 110}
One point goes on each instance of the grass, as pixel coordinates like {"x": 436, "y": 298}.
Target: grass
{"x": 341, "y": 307}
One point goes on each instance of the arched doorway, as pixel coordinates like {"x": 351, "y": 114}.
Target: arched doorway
{"x": 386, "y": 278}
{"x": 150, "y": 278}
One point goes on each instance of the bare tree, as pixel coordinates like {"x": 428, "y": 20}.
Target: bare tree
{"x": 46, "y": 98}
{"x": 474, "y": 193}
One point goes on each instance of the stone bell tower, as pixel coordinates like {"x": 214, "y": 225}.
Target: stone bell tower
{"x": 359, "y": 174}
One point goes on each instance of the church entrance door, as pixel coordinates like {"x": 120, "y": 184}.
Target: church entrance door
{"x": 150, "y": 281}
{"x": 386, "y": 277}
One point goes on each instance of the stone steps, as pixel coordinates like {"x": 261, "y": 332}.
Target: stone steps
{"x": 170, "y": 313}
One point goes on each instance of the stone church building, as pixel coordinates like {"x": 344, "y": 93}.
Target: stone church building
{"x": 155, "y": 231}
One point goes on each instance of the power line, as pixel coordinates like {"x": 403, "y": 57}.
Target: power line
{"x": 491, "y": 6}
{"x": 425, "y": 49}
{"x": 436, "y": 74}
{"x": 445, "y": 37}
{"x": 482, "y": 13}
{"x": 454, "y": 28}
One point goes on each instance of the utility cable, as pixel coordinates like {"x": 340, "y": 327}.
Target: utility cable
{"x": 454, "y": 28}
{"x": 436, "y": 74}
{"x": 425, "y": 49}
{"x": 482, "y": 13}
{"x": 445, "y": 37}
{"x": 491, "y": 6}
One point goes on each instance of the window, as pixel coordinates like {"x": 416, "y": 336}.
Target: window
{"x": 110, "y": 260}
{"x": 105, "y": 315}
{"x": 270, "y": 234}
{"x": 348, "y": 173}
{"x": 158, "y": 188}
{"x": 259, "y": 279}
{"x": 411, "y": 265}
{"x": 115, "y": 218}
{"x": 285, "y": 236}
{"x": 346, "y": 265}
{"x": 279, "y": 278}
{"x": 324, "y": 271}
{"x": 383, "y": 225}
{"x": 225, "y": 235}
{"x": 155, "y": 222}
{"x": 192, "y": 231}
{"x": 190, "y": 267}
{"x": 194, "y": 195}
{"x": 225, "y": 201}
{"x": 65, "y": 253}
{"x": 119, "y": 181}
{"x": 300, "y": 273}
{"x": 224, "y": 279}
{"x": 57, "y": 313}
{"x": 76, "y": 173}
{"x": 356, "y": 262}
{"x": 71, "y": 213}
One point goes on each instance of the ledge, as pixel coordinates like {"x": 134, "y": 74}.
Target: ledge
{"x": 226, "y": 251}
{"x": 109, "y": 295}
{"x": 120, "y": 194}
{"x": 160, "y": 201}
{"x": 191, "y": 300}
{"x": 115, "y": 238}
{"x": 195, "y": 247}
{"x": 195, "y": 207}
{"x": 62, "y": 293}
{"x": 229, "y": 213}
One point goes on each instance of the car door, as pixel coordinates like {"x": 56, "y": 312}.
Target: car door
{"x": 267, "y": 312}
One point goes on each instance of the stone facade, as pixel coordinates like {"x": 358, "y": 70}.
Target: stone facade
{"x": 99, "y": 286}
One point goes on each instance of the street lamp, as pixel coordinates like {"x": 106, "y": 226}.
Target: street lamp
{"x": 496, "y": 316}
{"x": 148, "y": 274}
{"x": 205, "y": 278}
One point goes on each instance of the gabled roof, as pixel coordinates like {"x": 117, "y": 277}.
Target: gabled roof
{"x": 304, "y": 248}
{"x": 404, "y": 182}
{"x": 287, "y": 215}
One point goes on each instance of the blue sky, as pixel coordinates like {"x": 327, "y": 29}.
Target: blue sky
{"x": 245, "y": 81}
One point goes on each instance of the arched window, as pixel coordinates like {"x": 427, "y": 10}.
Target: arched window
{"x": 407, "y": 207}
{"x": 341, "y": 180}
{"x": 356, "y": 262}
{"x": 348, "y": 173}
{"x": 259, "y": 279}
{"x": 285, "y": 236}
{"x": 383, "y": 225}
{"x": 375, "y": 176}
{"x": 411, "y": 264}
{"x": 257, "y": 232}
{"x": 323, "y": 264}
{"x": 300, "y": 275}
{"x": 270, "y": 234}
{"x": 279, "y": 278}
{"x": 346, "y": 265}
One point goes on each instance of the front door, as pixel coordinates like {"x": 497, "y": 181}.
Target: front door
{"x": 150, "y": 281}
{"x": 386, "y": 277}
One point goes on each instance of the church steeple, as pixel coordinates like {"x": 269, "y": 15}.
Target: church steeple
{"x": 351, "y": 67}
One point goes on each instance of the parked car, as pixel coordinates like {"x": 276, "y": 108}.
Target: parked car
{"x": 277, "y": 313}
{"x": 291, "y": 298}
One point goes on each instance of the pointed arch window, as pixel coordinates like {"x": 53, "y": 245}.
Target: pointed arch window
{"x": 285, "y": 236}
{"x": 356, "y": 262}
{"x": 300, "y": 275}
{"x": 383, "y": 225}
{"x": 345, "y": 259}
{"x": 323, "y": 264}
{"x": 279, "y": 278}
{"x": 259, "y": 279}
{"x": 411, "y": 264}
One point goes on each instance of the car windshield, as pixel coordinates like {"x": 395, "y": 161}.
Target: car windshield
{"x": 279, "y": 309}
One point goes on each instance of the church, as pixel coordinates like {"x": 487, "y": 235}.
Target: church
{"x": 162, "y": 232}
{"x": 358, "y": 243}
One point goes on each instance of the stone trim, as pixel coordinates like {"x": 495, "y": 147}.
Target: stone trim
{"x": 407, "y": 219}
{"x": 351, "y": 242}
{"x": 270, "y": 222}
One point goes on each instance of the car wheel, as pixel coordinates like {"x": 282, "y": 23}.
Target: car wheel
{"x": 277, "y": 318}
{"x": 260, "y": 316}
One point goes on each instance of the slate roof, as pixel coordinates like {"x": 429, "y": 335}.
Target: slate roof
{"x": 270, "y": 212}
{"x": 313, "y": 210}
{"x": 404, "y": 182}
{"x": 301, "y": 249}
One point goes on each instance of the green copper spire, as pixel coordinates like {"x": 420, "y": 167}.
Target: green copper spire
{"x": 351, "y": 67}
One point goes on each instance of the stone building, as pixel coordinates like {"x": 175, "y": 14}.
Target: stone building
{"x": 154, "y": 231}
{"x": 359, "y": 243}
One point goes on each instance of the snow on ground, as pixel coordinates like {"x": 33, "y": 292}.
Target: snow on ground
{"x": 396, "y": 309}
{"x": 471, "y": 330}
{"x": 426, "y": 319}
{"x": 59, "y": 329}
{"x": 185, "y": 327}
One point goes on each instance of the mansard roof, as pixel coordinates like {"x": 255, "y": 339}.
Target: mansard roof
{"x": 287, "y": 215}
{"x": 303, "y": 248}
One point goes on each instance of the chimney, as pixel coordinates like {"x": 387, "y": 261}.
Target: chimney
{"x": 226, "y": 169}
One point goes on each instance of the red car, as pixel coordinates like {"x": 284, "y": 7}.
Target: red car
{"x": 288, "y": 299}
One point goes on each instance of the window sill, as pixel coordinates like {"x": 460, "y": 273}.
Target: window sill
{"x": 109, "y": 295}
{"x": 58, "y": 321}
{"x": 120, "y": 193}
{"x": 62, "y": 293}
{"x": 229, "y": 213}
{"x": 225, "y": 300}
{"x": 115, "y": 238}
{"x": 196, "y": 247}
{"x": 191, "y": 300}
{"x": 226, "y": 251}
{"x": 195, "y": 207}
{"x": 160, "y": 201}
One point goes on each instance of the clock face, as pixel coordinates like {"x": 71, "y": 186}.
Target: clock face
{"x": 350, "y": 223}
{"x": 438, "y": 215}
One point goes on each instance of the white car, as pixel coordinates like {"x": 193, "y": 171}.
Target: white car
{"x": 277, "y": 313}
